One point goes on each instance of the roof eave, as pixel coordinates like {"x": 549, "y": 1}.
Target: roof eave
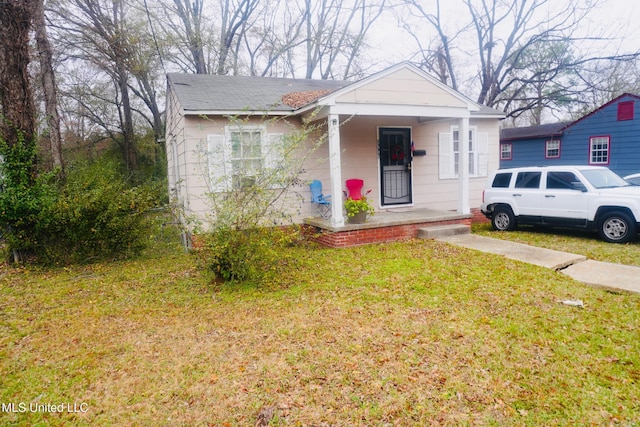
{"x": 235, "y": 113}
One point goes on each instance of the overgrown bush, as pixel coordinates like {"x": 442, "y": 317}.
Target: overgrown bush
{"x": 256, "y": 256}
{"x": 24, "y": 195}
{"x": 93, "y": 214}
{"x": 97, "y": 215}
{"x": 251, "y": 222}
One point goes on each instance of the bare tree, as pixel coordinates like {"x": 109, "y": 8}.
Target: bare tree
{"x": 188, "y": 33}
{"x": 235, "y": 16}
{"x": 437, "y": 56}
{"x": 270, "y": 44}
{"x": 336, "y": 30}
{"x": 96, "y": 31}
{"x": 508, "y": 38}
{"x": 49, "y": 86}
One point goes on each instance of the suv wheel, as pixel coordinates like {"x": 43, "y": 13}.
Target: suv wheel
{"x": 503, "y": 219}
{"x": 616, "y": 227}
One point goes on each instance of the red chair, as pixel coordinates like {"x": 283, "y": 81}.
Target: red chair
{"x": 354, "y": 188}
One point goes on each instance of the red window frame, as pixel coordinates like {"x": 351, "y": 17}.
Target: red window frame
{"x": 503, "y": 152}
{"x": 608, "y": 150}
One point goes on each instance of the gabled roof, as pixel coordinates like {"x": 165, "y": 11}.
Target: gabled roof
{"x": 539, "y": 131}
{"x": 207, "y": 92}
{"x": 553, "y": 129}
{"x": 613, "y": 101}
{"x": 214, "y": 94}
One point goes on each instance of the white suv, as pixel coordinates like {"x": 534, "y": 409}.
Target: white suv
{"x": 588, "y": 197}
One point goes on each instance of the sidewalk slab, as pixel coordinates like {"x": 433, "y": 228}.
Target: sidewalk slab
{"x": 548, "y": 258}
{"x": 606, "y": 274}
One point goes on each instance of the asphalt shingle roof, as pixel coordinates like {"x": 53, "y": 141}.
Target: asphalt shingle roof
{"x": 206, "y": 92}
{"x": 552, "y": 129}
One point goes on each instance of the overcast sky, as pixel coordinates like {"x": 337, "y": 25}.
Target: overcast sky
{"x": 618, "y": 19}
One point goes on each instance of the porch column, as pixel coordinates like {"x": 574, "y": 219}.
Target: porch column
{"x": 335, "y": 169}
{"x": 463, "y": 167}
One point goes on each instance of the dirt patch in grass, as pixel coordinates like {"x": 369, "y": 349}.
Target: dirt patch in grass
{"x": 415, "y": 333}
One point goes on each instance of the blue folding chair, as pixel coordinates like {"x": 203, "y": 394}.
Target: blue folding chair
{"x": 319, "y": 200}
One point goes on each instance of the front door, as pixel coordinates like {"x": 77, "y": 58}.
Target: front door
{"x": 395, "y": 166}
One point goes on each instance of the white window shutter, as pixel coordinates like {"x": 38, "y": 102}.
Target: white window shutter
{"x": 272, "y": 152}
{"x": 445, "y": 155}
{"x": 483, "y": 153}
{"x": 219, "y": 163}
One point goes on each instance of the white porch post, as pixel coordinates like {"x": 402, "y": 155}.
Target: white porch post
{"x": 463, "y": 167}
{"x": 335, "y": 168}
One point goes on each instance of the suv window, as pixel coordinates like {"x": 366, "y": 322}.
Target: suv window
{"x": 561, "y": 180}
{"x": 528, "y": 180}
{"x": 501, "y": 180}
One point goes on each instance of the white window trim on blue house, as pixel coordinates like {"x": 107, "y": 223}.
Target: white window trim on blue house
{"x": 552, "y": 149}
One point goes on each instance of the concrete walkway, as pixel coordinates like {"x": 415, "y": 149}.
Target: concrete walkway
{"x": 605, "y": 274}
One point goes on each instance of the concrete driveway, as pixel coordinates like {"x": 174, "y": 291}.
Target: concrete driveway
{"x": 605, "y": 274}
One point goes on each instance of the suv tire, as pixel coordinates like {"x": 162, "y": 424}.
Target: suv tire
{"x": 503, "y": 219}
{"x": 616, "y": 227}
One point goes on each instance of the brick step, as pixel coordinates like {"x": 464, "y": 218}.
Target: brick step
{"x": 437, "y": 231}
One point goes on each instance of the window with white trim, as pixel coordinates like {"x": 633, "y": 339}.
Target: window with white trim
{"x": 599, "y": 150}
{"x": 246, "y": 157}
{"x": 449, "y": 153}
{"x": 552, "y": 149}
{"x": 241, "y": 157}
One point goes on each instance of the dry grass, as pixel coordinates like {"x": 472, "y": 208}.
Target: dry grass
{"x": 416, "y": 333}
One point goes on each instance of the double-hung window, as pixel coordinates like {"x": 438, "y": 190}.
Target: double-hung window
{"x": 552, "y": 149}
{"x": 243, "y": 157}
{"x": 449, "y": 155}
{"x": 599, "y": 150}
{"x": 506, "y": 151}
{"x": 473, "y": 154}
{"x": 246, "y": 157}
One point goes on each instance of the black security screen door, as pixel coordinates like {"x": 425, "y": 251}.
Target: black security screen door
{"x": 395, "y": 165}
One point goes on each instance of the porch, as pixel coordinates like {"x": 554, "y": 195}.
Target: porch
{"x": 384, "y": 226}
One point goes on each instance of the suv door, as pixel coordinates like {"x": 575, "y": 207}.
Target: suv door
{"x": 527, "y": 196}
{"x": 565, "y": 201}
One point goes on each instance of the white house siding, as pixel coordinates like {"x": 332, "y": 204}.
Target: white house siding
{"x": 443, "y": 193}
{"x": 359, "y": 145}
{"x": 403, "y": 87}
{"x": 392, "y": 99}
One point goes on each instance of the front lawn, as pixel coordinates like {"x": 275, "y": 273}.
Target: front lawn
{"x": 573, "y": 241}
{"x": 414, "y": 333}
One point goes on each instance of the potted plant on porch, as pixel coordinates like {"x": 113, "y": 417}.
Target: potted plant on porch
{"x": 358, "y": 210}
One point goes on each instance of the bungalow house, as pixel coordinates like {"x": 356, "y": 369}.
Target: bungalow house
{"x": 608, "y": 136}
{"x": 423, "y": 149}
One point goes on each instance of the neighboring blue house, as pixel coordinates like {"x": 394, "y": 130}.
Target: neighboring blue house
{"x": 609, "y": 136}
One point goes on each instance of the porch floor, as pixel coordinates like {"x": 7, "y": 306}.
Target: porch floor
{"x": 387, "y": 225}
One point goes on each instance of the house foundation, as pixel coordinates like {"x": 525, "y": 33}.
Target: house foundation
{"x": 386, "y": 226}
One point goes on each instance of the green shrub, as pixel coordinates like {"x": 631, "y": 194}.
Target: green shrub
{"x": 97, "y": 215}
{"x": 93, "y": 214}
{"x": 24, "y": 195}
{"x": 256, "y": 256}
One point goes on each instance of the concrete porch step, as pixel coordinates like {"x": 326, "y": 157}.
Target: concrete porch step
{"x": 438, "y": 231}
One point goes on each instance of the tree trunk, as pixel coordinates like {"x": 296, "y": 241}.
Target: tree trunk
{"x": 48, "y": 85}
{"x": 130, "y": 155}
{"x": 16, "y": 97}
